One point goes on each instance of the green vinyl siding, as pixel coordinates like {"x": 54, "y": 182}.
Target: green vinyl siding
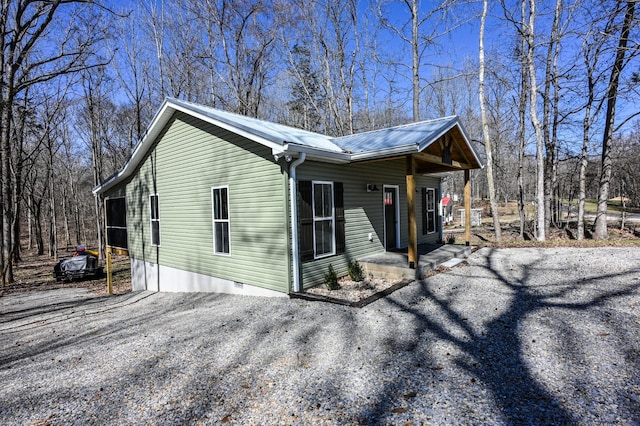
{"x": 364, "y": 211}
{"x": 190, "y": 158}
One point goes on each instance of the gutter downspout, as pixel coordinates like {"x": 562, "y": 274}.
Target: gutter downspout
{"x": 295, "y": 246}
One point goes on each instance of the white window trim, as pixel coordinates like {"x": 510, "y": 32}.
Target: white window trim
{"x": 324, "y": 219}
{"x": 435, "y": 215}
{"x": 151, "y": 219}
{"x": 214, "y": 220}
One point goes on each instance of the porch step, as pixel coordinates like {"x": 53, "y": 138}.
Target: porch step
{"x": 393, "y": 265}
{"x": 453, "y": 262}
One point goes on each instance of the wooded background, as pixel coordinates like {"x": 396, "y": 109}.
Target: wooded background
{"x": 548, "y": 90}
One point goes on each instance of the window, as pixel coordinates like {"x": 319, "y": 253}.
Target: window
{"x": 429, "y": 214}
{"x": 116, "y": 222}
{"x": 155, "y": 219}
{"x": 221, "y": 238}
{"x": 323, "y": 219}
{"x": 321, "y": 215}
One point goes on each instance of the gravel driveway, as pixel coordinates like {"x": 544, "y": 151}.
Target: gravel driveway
{"x": 519, "y": 336}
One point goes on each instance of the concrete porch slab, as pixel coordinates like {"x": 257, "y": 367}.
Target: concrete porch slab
{"x": 395, "y": 264}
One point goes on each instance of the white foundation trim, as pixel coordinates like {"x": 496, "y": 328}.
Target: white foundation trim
{"x": 154, "y": 277}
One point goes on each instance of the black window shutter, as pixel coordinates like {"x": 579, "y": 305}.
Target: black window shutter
{"x": 338, "y": 202}
{"x": 305, "y": 215}
{"x": 425, "y": 222}
{"x": 436, "y": 207}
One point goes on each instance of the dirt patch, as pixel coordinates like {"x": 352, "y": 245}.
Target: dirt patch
{"x": 35, "y": 273}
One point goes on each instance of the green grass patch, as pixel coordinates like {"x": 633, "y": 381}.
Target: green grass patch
{"x": 591, "y": 206}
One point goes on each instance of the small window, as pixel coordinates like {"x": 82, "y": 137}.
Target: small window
{"x": 155, "y": 219}
{"x": 116, "y": 222}
{"x": 221, "y": 238}
{"x": 431, "y": 210}
{"x": 323, "y": 219}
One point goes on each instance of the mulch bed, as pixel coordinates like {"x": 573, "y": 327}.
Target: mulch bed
{"x": 358, "y": 294}
{"x": 351, "y": 293}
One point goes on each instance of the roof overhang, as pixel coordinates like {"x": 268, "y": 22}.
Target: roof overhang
{"x": 158, "y": 123}
{"x": 316, "y": 154}
{"x": 426, "y": 151}
{"x": 389, "y": 152}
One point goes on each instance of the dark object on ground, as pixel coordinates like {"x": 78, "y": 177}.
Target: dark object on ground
{"x": 83, "y": 264}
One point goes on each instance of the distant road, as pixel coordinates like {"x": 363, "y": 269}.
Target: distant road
{"x": 615, "y": 217}
{"x": 611, "y": 216}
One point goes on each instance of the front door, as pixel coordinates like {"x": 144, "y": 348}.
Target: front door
{"x": 390, "y": 217}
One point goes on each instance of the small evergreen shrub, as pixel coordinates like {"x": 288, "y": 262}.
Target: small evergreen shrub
{"x": 331, "y": 279}
{"x": 451, "y": 239}
{"x": 355, "y": 271}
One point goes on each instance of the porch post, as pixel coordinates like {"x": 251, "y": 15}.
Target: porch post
{"x": 411, "y": 207}
{"x": 467, "y": 207}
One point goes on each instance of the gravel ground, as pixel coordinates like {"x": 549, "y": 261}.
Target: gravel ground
{"x": 519, "y": 336}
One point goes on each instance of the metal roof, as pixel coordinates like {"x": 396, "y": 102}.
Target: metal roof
{"x": 277, "y": 133}
{"x": 421, "y": 134}
{"x": 290, "y": 141}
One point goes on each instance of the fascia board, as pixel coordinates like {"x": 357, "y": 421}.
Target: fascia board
{"x": 386, "y": 152}
{"x": 468, "y": 141}
{"x": 318, "y": 154}
{"x": 156, "y": 126}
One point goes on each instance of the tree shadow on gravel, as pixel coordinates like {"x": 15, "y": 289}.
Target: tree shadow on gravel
{"x": 496, "y": 356}
{"x": 216, "y": 359}
{"x": 42, "y": 322}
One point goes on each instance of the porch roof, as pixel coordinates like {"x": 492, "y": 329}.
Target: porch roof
{"x": 422, "y": 133}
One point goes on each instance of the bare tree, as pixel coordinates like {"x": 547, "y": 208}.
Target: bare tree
{"x": 485, "y": 128}
{"x": 550, "y": 91}
{"x": 25, "y": 26}
{"x": 522, "y": 107}
{"x": 600, "y": 226}
{"x": 591, "y": 50}
{"x": 133, "y": 67}
{"x": 94, "y": 123}
{"x": 529, "y": 34}
{"x": 425, "y": 30}
{"x": 245, "y": 33}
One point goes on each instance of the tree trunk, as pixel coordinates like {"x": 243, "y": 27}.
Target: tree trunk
{"x": 30, "y": 224}
{"x": 7, "y": 201}
{"x": 550, "y": 83}
{"x": 485, "y": 130}
{"x": 415, "y": 57}
{"x": 521, "y": 123}
{"x": 16, "y": 228}
{"x": 582, "y": 184}
{"x": 53, "y": 232}
{"x": 533, "y": 111}
{"x": 65, "y": 217}
{"x": 37, "y": 225}
{"x": 600, "y": 232}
